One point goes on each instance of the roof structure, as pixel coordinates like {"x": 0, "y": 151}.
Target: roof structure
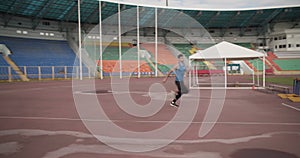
{"x": 226, "y": 50}
{"x": 66, "y": 11}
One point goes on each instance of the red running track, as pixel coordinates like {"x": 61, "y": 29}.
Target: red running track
{"x": 39, "y": 120}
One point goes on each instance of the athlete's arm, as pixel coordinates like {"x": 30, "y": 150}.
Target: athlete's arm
{"x": 169, "y": 73}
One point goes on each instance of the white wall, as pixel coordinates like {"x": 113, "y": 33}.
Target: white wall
{"x": 29, "y": 33}
{"x": 286, "y": 40}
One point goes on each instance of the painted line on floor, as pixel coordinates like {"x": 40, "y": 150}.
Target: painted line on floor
{"x": 151, "y": 121}
{"x": 289, "y": 106}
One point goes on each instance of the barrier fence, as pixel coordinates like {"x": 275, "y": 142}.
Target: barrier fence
{"x": 7, "y": 73}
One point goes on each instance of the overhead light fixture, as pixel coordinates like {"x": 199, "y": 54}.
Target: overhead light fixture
{"x": 199, "y": 13}
{"x": 103, "y": 4}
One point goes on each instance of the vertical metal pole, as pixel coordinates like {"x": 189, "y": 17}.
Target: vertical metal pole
{"x": 52, "y": 72}
{"x": 66, "y": 72}
{"x": 138, "y": 39}
{"x": 79, "y": 42}
{"x": 190, "y": 75}
{"x": 119, "y": 32}
{"x": 264, "y": 72}
{"x": 194, "y": 72}
{"x": 225, "y": 73}
{"x": 253, "y": 76}
{"x": 100, "y": 39}
{"x": 9, "y": 74}
{"x": 197, "y": 80}
{"x": 91, "y": 69}
{"x": 25, "y": 71}
{"x": 39, "y": 71}
{"x": 156, "y": 50}
{"x": 257, "y": 72}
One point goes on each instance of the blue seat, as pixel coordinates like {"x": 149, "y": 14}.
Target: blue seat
{"x": 37, "y": 52}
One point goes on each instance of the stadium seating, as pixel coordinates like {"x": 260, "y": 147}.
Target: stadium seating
{"x": 183, "y": 48}
{"x": 3, "y": 62}
{"x": 37, "y": 52}
{"x": 203, "y": 46}
{"x": 3, "y": 69}
{"x": 288, "y": 64}
{"x": 112, "y": 53}
{"x": 287, "y": 54}
{"x": 127, "y": 66}
{"x": 258, "y": 64}
{"x": 129, "y": 59}
{"x": 246, "y": 45}
{"x": 164, "y": 55}
{"x": 187, "y": 49}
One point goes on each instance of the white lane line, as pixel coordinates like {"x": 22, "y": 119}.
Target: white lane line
{"x": 289, "y": 106}
{"x": 151, "y": 121}
{"x": 123, "y": 140}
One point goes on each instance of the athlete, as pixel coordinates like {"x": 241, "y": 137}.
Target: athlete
{"x": 179, "y": 69}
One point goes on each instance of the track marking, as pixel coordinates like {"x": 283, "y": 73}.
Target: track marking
{"x": 289, "y": 106}
{"x": 151, "y": 121}
{"x": 144, "y": 141}
{"x": 136, "y": 142}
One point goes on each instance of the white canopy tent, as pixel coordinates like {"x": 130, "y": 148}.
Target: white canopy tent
{"x": 227, "y": 51}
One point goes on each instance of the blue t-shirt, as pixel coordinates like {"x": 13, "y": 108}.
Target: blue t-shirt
{"x": 179, "y": 72}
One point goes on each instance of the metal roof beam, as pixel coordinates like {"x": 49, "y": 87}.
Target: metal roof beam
{"x": 212, "y": 19}
{"x": 247, "y": 20}
{"x": 41, "y": 12}
{"x": 42, "y": 7}
{"x": 91, "y": 16}
{"x": 8, "y": 17}
{"x": 69, "y": 14}
{"x": 272, "y": 16}
{"x": 223, "y": 31}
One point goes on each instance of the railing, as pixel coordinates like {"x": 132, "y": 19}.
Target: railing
{"x": 59, "y": 72}
{"x": 44, "y": 72}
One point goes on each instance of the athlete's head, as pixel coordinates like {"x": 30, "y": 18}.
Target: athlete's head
{"x": 180, "y": 58}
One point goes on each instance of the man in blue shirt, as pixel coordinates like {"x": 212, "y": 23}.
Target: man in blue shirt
{"x": 179, "y": 69}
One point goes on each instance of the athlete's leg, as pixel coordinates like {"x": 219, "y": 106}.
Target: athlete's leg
{"x": 184, "y": 89}
{"x": 178, "y": 95}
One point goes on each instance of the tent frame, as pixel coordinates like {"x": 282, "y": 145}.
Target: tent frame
{"x": 226, "y": 75}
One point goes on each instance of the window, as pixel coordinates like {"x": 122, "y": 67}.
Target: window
{"x": 276, "y": 47}
{"x": 297, "y": 45}
{"x": 42, "y": 33}
{"x": 275, "y": 38}
{"x": 284, "y": 46}
{"x": 46, "y": 23}
{"x": 19, "y": 31}
{"x": 280, "y": 46}
{"x": 283, "y": 37}
{"x": 290, "y": 45}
